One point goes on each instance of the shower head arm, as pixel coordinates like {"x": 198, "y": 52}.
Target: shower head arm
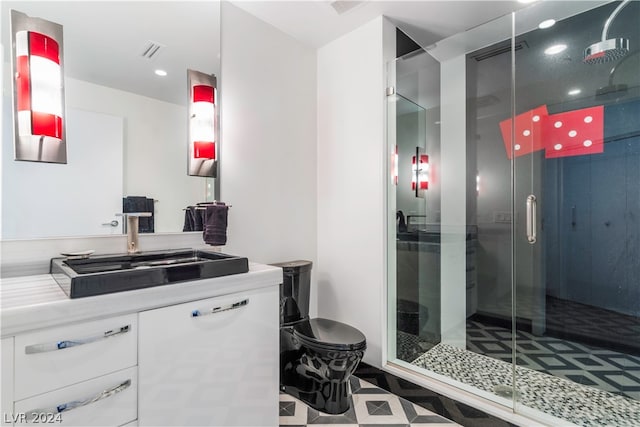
{"x": 611, "y": 17}
{"x": 612, "y": 73}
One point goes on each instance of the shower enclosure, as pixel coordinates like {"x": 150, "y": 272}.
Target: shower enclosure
{"x": 514, "y": 273}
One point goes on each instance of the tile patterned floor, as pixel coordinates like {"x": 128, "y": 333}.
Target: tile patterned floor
{"x": 370, "y": 406}
{"x": 579, "y": 404}
{"x": 592, "y": 325}
{"x": 451, "y": 409}
{"x": 604, "y": 369}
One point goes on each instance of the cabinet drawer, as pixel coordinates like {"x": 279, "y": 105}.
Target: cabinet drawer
{"x": 110, "y": 400}
{"x": 54, "y": 358}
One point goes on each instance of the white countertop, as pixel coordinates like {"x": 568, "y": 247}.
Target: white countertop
{"x": 33, "y": 302}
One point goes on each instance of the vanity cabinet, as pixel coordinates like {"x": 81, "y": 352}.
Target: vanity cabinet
{"x": 203, "y": 352}
{"x": 211, "y": 362}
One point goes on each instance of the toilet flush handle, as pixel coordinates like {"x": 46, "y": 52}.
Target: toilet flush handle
{"x": 214, "y": 310}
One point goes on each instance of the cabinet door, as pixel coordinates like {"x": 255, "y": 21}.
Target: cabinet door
{"x": 6, "y": 379}
{"x": 219, "y": 367}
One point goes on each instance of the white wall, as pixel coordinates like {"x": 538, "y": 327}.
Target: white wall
{"x": 453, "y": 203}
{"x": 410, "y": 133}
{"x": 50, "y": 199}
{"x": 351, "y": 181}
{"x": 268, "y": 149}
{"x": 155, "y": 144}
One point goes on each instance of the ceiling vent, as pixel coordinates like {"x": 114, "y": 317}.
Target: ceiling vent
{"x": 151, "y": 50}
{"x": 342, "y": 6}
{"x": 496, "y": 50}
{"x": 484, "y": 101}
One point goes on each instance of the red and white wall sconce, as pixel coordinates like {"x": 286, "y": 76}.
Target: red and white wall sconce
{"x": 38, "y": 89}
{"x": 419, "y": 172}
{"x": 203, "y": 124}
{"x": 394, "y": 165}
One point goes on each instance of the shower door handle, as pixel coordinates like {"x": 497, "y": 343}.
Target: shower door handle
{"x": 531, "y": 219}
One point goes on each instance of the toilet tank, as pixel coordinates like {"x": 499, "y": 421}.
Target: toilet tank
{"x": 294, "y": 290}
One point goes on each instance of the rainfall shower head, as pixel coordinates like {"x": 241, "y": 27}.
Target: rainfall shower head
{"x": 607, "y": 50}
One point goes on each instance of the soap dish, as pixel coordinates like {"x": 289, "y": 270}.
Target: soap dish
{"x": 78, "y": 255}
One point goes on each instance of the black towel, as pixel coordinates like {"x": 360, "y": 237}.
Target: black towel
{"x": 194, "y": 218}
{"x": 140, "y": 204}
{"x": 215, "y": 225}
{"x": 199, "y": 214}
{"x": 189, "y": 224}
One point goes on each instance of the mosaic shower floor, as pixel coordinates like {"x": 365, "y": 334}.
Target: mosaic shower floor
{"x": 576, "y": 403}
{"x": 605, "y": 369}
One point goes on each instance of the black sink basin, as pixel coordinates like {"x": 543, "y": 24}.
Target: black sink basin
{"x": 104, "y": 274}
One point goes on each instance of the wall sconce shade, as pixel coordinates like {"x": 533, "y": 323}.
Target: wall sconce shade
{"x": 394, "y": 165}
{"x": 202, "y": 124}
{"x": 38, "y": 89}
{"x": 420, "y": 172}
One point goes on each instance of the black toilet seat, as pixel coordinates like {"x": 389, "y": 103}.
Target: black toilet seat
{"x": 329, "y": 335}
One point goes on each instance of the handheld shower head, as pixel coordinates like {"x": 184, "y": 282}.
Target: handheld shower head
{"x": 607, "y": 50}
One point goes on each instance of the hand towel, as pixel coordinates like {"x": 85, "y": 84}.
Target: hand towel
{"x": 189, "y": 224}
{"x": 199, "y": 218}
{"x": 215, "y": 225}
{"x": 140, "y": 204}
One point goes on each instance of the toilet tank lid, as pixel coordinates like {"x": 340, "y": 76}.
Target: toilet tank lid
{"x": 328, "y": 333}
{"x": 298, "y": 265}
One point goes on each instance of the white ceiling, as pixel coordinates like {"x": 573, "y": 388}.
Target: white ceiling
{"x": 103, "y": 41}
{"x": 316, "y": 23}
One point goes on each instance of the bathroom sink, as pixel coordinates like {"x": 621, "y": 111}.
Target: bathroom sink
{"x": 104, "y": 274}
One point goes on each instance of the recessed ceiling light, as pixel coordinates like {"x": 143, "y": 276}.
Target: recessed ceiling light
{"x": 547, "y": 23}
{"x": 555, "y": 49}
{"x": 161, "y": 73}
{"x": 574, "y": 91}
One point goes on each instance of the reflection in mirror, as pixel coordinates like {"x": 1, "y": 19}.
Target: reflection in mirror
{"x": 126, "y": 124}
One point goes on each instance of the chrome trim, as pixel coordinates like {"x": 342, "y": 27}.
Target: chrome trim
{"x": 531, "y": 219}
{"x": 60, "y": 345}
{"x": 68, "y": 406}
{"x": 214, "y": 310}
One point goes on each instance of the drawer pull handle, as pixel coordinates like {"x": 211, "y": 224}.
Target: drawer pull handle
{"x": 64, "y": 407}
{"x": 60, "y": 345}
{"x": 214, "y": 310}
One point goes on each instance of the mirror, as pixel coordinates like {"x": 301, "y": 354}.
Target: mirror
{"x": 126, "y": 126}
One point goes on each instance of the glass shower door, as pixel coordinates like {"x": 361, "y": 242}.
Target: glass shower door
{"x": 575, "y": 140}
{"x": 414, "y": 190}
{"x": 535, "y": 196}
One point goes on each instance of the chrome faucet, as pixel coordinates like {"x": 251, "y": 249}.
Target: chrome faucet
{"x": 131, "y": 228}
